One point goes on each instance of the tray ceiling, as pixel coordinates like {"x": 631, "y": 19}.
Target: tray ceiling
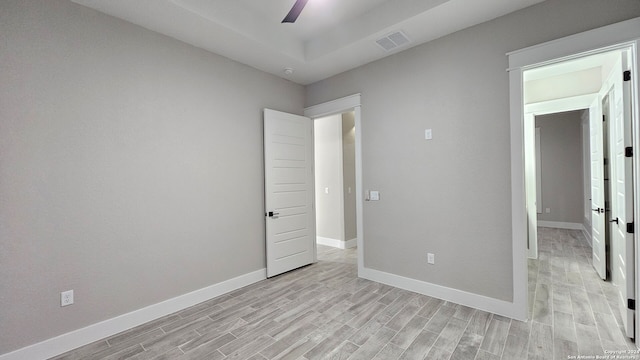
{"x": 330, "y": 36}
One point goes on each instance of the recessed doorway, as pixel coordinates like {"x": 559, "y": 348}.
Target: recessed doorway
{"x": 342, "y": 117}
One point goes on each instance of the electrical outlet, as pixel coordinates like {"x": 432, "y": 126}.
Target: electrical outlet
{"x": 66, "y": 298}
{"x": 547, "y": 210}
{"x": 431, "y": 258}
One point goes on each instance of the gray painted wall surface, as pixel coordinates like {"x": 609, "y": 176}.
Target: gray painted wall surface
{"x": 451, "y": 195}
{"x": 349, "y": 174}
{"x": 328, "y": 174}
{"x": 131, "y": 167}
{"x": 561, "y": 162}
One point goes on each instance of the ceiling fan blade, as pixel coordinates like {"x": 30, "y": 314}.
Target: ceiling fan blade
{"x": 295, "y": 11}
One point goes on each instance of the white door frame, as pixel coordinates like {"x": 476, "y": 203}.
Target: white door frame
{"x": 348, "y": 103}
{"x": 616, "y": 36}
{"x": 599, "y": 151}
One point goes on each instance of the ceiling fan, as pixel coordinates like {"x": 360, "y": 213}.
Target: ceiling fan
{"x": 295, "y": 11}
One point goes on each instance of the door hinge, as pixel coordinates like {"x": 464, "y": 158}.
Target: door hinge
{"x": 628, "y": 151}
{"x": 605, "y": 161}
{"x": 631, "y": 304}
{"x": 630, "y": 228}
{"x": 604, "y": 118}
{"x": 626, "y": 76}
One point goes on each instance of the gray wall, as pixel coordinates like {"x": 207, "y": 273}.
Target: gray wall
{"x": 451, "y": 195}
{"x": 328, "y": 174}
{"x": 349, "y": 174}
{"x": 561, "y": 167}
{"x": 131, "y": 167}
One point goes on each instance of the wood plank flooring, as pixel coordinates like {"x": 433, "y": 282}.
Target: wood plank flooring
{"x": 573, "y": 311}
{"x": 324, "y": 311}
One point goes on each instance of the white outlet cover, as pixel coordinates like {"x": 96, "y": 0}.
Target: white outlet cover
{"x": 374, "y": 195}
{"x": 431, "y": 258}
{"x": 66, "y": 298}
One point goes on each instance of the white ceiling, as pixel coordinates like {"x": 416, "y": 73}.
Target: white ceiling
{"x": 330, "y": 36}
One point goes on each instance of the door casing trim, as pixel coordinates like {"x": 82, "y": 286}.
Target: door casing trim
{"x": 612, "y": 37}
{"x": 338, "y": 106}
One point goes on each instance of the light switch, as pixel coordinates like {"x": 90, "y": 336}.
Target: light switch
{"x": 428, "y": 135}
{"x": 374, "y": 195}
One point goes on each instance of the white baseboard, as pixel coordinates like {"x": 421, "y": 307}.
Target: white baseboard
{"x": 337, "y": 243}
{"x": 560, "y": 225}
{"x": 495, "y": 306}
{"x": 351, "y": 243}
{"x": 77, "y": 338}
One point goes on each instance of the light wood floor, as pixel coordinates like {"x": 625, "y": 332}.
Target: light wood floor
{"x": 572, "y": 309}
{"x": 324, "y": 311}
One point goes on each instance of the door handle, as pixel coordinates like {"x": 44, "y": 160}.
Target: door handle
{"x": 273, "y": 214}
{"x": 598, "y": 210}
{"x": 614, "y": 221}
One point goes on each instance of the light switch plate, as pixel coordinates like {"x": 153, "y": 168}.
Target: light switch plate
{"x": 431, "y": 258}
{"x": 374, "y": 195}
{"x": 428, "y": 135}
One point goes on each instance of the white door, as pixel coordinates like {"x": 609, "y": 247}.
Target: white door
{"x": 623, "y": 200}
{"x": 597, "y": 189}
{"x": 289, "y": 185}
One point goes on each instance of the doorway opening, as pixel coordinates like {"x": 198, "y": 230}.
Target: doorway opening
{"x": 598, "y": 85}
{"x": 348, "y": 104}
{"x": 559, "y": 180}
{"x": 335, "y": 187}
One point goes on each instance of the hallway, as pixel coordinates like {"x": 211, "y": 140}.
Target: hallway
{"x": 572, "y": 310}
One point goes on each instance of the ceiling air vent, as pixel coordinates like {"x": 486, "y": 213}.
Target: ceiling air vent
{"x": 393, "y": 40}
